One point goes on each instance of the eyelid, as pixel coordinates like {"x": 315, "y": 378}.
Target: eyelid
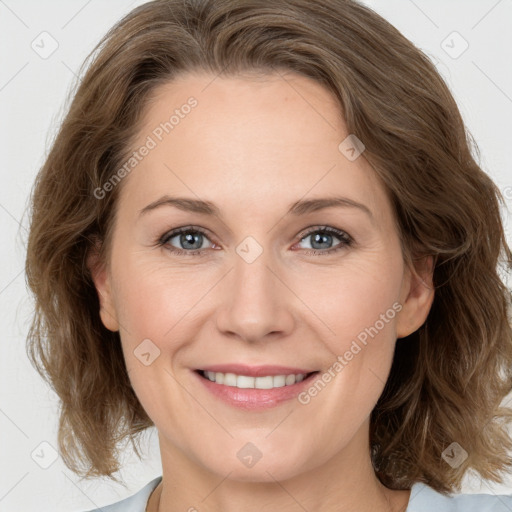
{"x": 321, "y": 227}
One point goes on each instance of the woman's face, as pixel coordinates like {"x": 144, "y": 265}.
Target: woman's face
{"x": 242, "y": 286}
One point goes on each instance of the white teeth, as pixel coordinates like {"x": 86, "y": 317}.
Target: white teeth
{"x": 280, "y": 380}
{"x": 245, "y": 381}
{"x": 229, "y": 379}
{"x": 263, "y": 382}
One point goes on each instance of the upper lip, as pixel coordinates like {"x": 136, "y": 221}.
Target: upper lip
{"x": 255, "y": 371}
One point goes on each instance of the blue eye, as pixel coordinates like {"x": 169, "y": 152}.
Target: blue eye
{"x": 323, "y": 236}
{"x": 191, "y": 239}
{"x": 188, "y": 237}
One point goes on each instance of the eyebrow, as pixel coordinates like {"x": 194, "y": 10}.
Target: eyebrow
{"x": 301, "y": 207}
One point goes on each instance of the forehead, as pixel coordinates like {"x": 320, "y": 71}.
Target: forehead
{"x": 262, "y": 138}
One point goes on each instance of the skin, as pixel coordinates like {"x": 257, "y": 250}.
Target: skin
{"x": 253, "y": 146}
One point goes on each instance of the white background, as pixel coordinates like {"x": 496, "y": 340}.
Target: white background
{"x": 32, "y": 95}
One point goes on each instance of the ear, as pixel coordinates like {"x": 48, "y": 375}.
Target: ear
{"x": 102, "y": 281}
{"x": 417, "y": 296}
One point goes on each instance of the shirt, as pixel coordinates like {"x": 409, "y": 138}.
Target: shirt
{"x": 423, "y": 499}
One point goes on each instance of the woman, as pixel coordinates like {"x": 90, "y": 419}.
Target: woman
{"x": 272, "y": 242}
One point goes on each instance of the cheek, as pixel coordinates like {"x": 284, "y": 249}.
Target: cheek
{"x": 158, "y": 307}
{"x": 352, "y": 299}
{"x": 152, "y": 298}
{"x": 152, "y": 309}
{"x": 356, "y": 309}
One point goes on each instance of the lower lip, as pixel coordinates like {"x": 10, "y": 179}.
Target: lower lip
{"x": 251, "y": 398}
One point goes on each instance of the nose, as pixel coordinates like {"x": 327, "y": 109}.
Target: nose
{"x": 256, "y": 303}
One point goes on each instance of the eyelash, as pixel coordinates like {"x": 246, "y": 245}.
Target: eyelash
{"x": 346, "y": 240}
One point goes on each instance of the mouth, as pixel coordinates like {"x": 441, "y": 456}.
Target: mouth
{"x": 252, "y": 387}
{"x": 261, "y": 382}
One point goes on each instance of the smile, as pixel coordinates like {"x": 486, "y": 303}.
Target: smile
{"x": 252, "y": 393}
{"x": 246, "y": 381}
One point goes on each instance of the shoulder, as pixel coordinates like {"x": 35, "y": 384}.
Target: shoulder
{"x": 425, "y": 499}
{"x": 135, "y": 503}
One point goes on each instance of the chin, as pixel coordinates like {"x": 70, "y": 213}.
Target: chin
{"x": 276, "y": 467}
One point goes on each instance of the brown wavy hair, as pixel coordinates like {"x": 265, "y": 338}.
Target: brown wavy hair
{"x": 448, "y": 379}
